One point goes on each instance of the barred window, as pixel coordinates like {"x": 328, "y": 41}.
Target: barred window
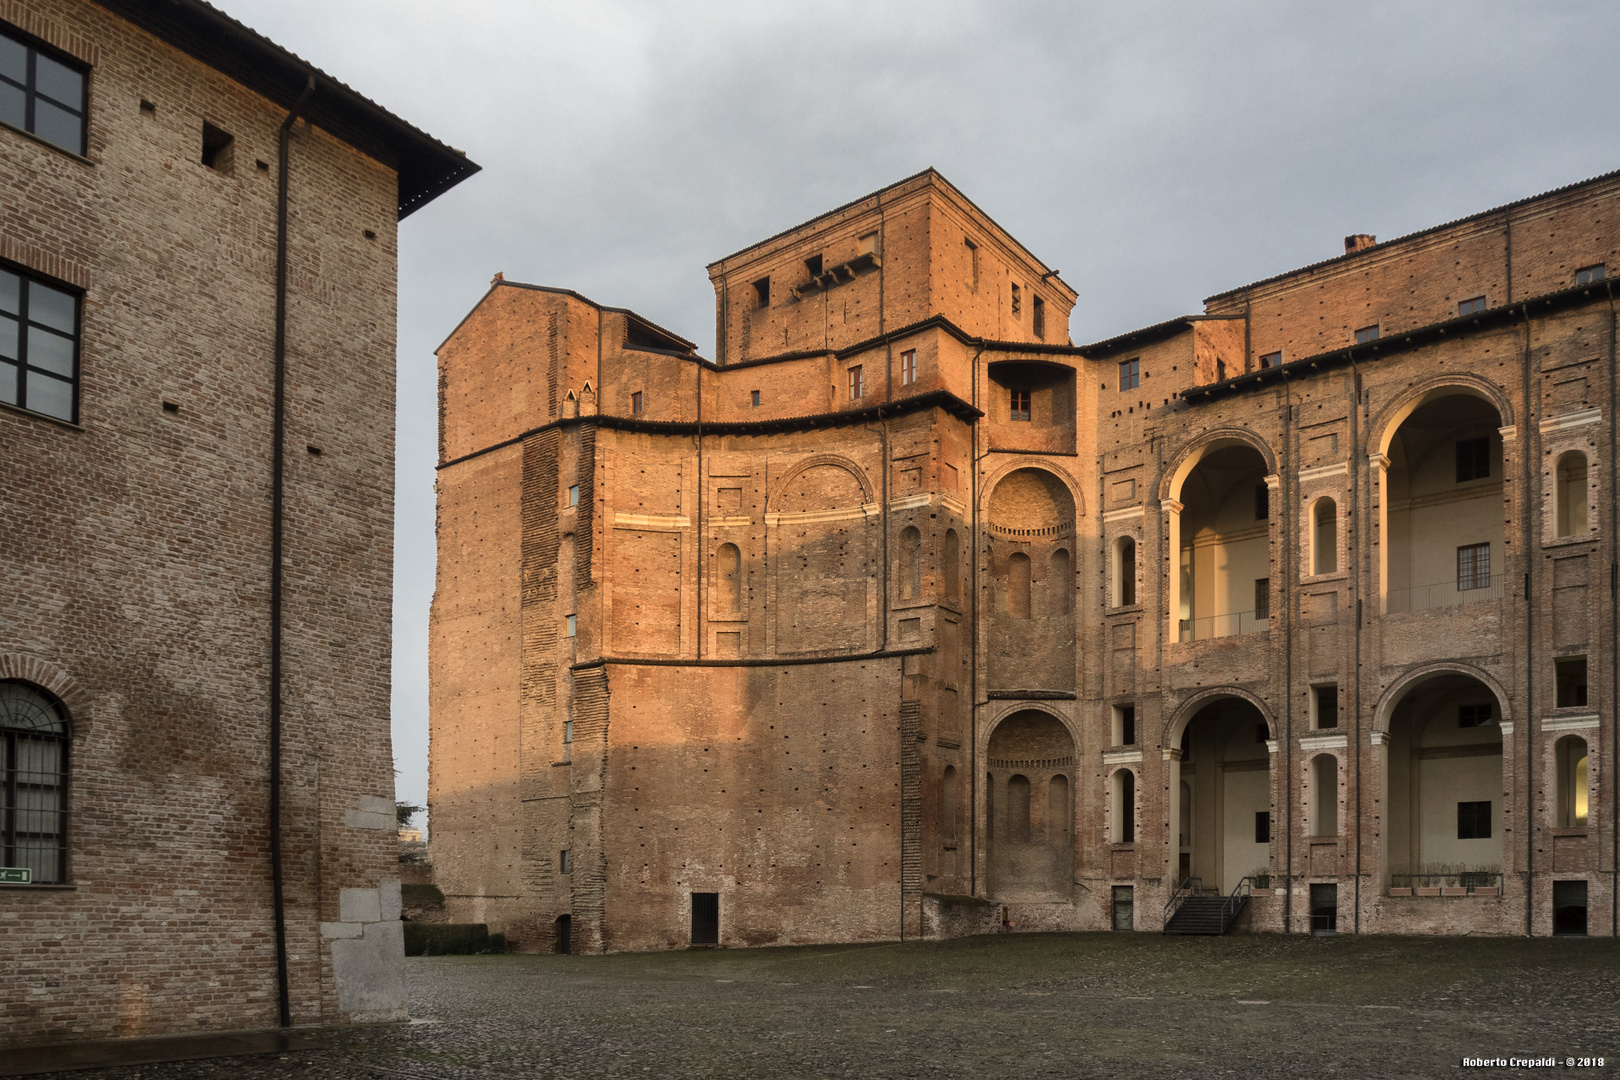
{"x": 1473, "y": 567}
{"x": 33, "y": 783}
{"x": 42, "y": 95}
{"x": 39, "y": 346}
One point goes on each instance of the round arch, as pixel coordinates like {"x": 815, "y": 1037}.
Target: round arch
{"x": 835, "y": 460}
{"x": 1182, "y": 714}
{"x": 1013, "y": 708}
{"x": 1189, "y": 454}
{"x": 1395, "y": 414}
{"x": 1397, "y": 690}
{"x": 1063, "y": 477}
{"x": 55, "y": 681}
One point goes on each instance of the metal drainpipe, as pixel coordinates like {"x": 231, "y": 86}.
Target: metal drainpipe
{"x": 1286, "y": 501}
{"x": 973, "y": 651}
{"x": 702, "y": 539}
{"x": 278, "y": 456}
{"x": 1528, "y": 460}
{"x": 1353, "y": 556}
{"x": 1614, "y": 631}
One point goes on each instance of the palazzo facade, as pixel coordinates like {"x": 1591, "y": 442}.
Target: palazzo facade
{"x": 905, "y": 616}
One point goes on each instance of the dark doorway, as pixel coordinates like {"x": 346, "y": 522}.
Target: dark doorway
{"x": 1124, "y": 907}
{"x": 1324, "y": 909}
{"x": 565, "y": 935}
{"x": 1569, "y": 908}
{"x": 705, "y": 918}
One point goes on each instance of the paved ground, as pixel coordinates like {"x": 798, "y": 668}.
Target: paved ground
{"x": 1062, "y": 1005}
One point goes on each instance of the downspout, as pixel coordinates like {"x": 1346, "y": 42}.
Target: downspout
{"x": 1286, "y": 499}
{"x": 973, "y": 668}
{"x": 1614, "y": 631}
{"x": 702, "y": 539}
{"x": 277, "y": 500}
{"x": 1531, "y": 518}
{"x": 1353, "y": 553}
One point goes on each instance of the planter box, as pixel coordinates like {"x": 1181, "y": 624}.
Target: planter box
{"x": 1453, "y": 891}
{"x": 1422, "y": 891}
{"x": 1488, "y": 890}
{"x": 1403, "y": 891}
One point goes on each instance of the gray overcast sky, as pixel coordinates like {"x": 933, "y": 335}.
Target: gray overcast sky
{"x": 1156, "y": 153}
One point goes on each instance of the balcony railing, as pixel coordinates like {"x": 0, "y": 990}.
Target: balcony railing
{"x": 1217, "y": 626}
{"x": 1462, "y": 879}
{"x": 1445, "y": 594}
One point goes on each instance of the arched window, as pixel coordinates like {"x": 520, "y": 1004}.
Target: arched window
{"x": 953, "y": 563}
{"x": 948, "y": 805}
{"x": 910, "y": 563}
{"x": 1570, "y": 498}
{"x": 1572, "y": 782}
{"x": 1325, "y": 537}
{"x": 33, "y": 783}
{"x": 1062, "y": 584}
{"x": 1122, "y": 812}
{"x": 1018, "y": 586}
{"x": 1018, "y": 808}
{"x": 1124, "y": 571}
{"x": 1058, "y": 813}
{"x": 1325, "y": 795}
{"x": 729, "y": 564}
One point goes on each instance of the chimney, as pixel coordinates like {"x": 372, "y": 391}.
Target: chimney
{"x": 1359, "y": 242}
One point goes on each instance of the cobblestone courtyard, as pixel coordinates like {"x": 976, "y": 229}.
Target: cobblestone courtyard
{"x": 1070, "y": 1005}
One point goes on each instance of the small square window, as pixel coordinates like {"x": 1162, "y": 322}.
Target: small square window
{"x": 1130, "y": 374}
{"x": 1038, "y": 317}
{"x": 812, "y": 265}
{"x": 1020, "y": 405}
{"x": 856, "y": 386}
{"x": 1473, "y": 567}
{"x": 1473, "y": 459}
{"x": 217, "y": 148}
{"x": 1366, "y": 334}
{"x": 1474, "y": 715}
{"x": 1271, "y": 359}
{"x": 1474, "y": 820}
{"x": 1586, "y": 275}
{"x": 762, "y": 293}
{"x": 753, "y": 396}
{"x": 568, "y": 732}
{"x": 1472, "y": 306}
{"x": 1262, "y": 826}
{"x": 573, "y": 494}
{"x": 908, "y": 367}
{"x": 573, "y": 625}
{"x": 565, "y": 862}
{"x": 635, "y": 402}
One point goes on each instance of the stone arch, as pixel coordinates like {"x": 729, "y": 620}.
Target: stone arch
{"x": 1010, "y": 708}
{"x": 1062, "y": 475}
{"x": 1030, "y": 756}
{"x": 1030, "y": 515}
{"x": 1411, "y": 678}
{"x": 780, "y": 490}
{"x": 1182, "y": 714}
{"x": 1189, "y": 454}
{"x": 1389, "y": 421}
{"x": 55, "y": 681}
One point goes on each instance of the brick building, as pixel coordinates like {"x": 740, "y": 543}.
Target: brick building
{"x": 197, "y": 270}
{"x": 906, "y": 616}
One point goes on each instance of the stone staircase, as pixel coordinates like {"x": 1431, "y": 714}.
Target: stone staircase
{"x": 1212, "y": 915}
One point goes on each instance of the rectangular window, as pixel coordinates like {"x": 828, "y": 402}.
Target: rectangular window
{"x": 1262, "y": 502}
{"x": 1124, "y": 907}
{"x": 1366, "y": 334}
{"x": 754, "y": 398}
{"x": 573, "y": 494}
{"x": 1124, "y": 725}
{"x": 1327, "y": 706}
{"x": 1017, "y": 299}
{"x": 813, "y": 265}
{"x": 635, "y": 402}
{"x": 1473, "y": 459}
{"x": 1586, "y": 275}
{"x": 1020, "y": 405}
{"x": 217, "y": 148}
{"x": 1472, "y": 306}
{"x": 1473, "y": 567}
{"x": 856, "y": 386}
{"x": 1038, "y": 318}
{"x": 1271, "y": 359}
{"x": 1130, "y": 374}
{"x": 568, "y": 732}
{"x": 1473, "y": 715}
{"x": 573, "y": 625}
{"x": 908, "y": 367}
{"x": 1570, "y": 674}
{"x": 1262, "y": 826}
{"x": 973, "y": 262}
{"x": 762, "y": 293}
{"x": 39, "y": 346}
{"x": 42, "y": 95}
{"x": 565, "y": 862}
{"x": 1474, "y": 820}
{"x": 1262, "y": 598}
{"x": 705, "y": 918}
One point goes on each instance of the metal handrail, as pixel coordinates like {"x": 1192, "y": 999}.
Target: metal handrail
{"x": 1445, "y": 594}
{"x": 1462, "y": 879}
{"x": 1189, "y": 887}
{"x": 1234, "y": 903}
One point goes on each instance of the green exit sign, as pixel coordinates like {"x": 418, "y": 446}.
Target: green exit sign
{"x": 16, "y": 875}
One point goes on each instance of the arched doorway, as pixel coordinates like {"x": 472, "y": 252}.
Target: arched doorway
{"x": 1444, "y": 777}
{"x": 1029, "y": 552}
{"x": 1031, "y": 811}
{"x": 1222, "y": 788}
{"x": 1223, "y": 537}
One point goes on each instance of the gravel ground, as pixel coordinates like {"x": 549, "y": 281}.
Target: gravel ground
{"x": 1047, "y": 1005}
